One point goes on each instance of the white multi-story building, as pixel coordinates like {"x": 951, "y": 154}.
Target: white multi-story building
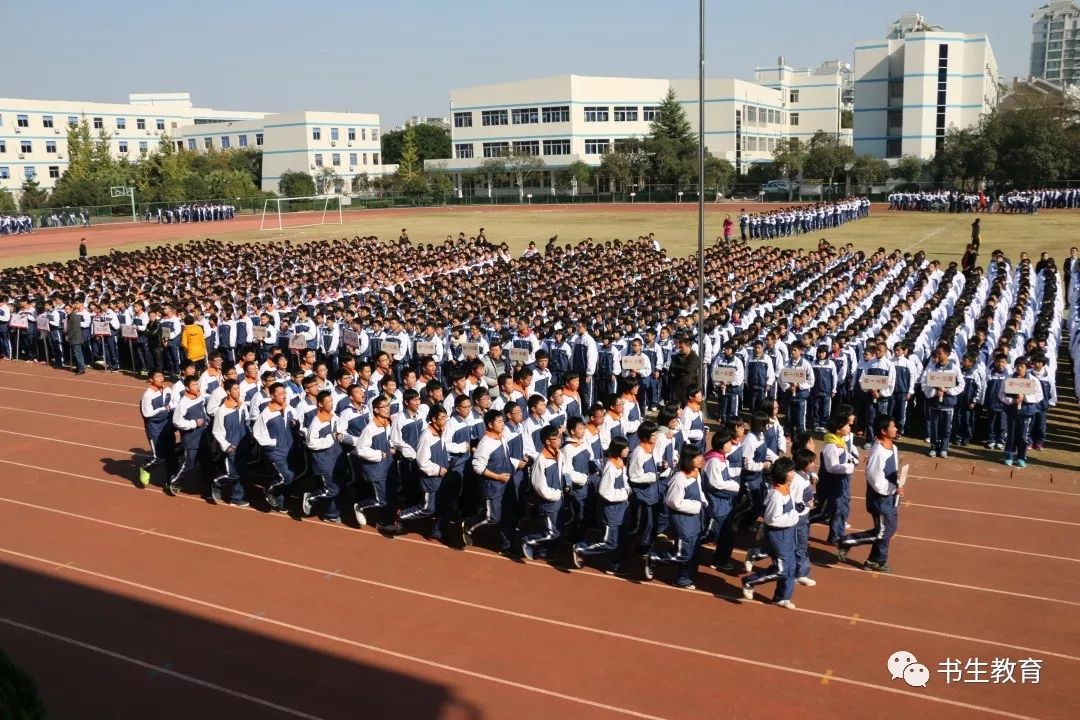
{"x": 33, "y": 136}
{"x": 913, "y": 86}
{"x": 567, "y": 118}
{"x": 1055, "y": 43}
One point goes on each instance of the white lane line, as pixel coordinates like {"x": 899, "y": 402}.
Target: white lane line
{"x": 128, "y": 404}
{"x": 77, "y": 444}
{"x": 989, "y": 548}
{"x": 156, "y": 668}
{"x": 926, "y": 237}
{"x": 70, "y": 417}
{"x": 996, "y": 485}
{"x": 262, "y": 618}
{"x": 905, "y": 503}
{"x": 68, "y": 378}
{"x": 582, "y": 628}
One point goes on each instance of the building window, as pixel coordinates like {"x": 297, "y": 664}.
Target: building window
{"x": 318, "y": 159}
{"x": 241, "y": 140}
{"x": 772, "y": 144}
{"x": 751, "y": 114}
{"x": 54, "y": 171}
{"x": 626, "y": 113}
{"x": 793, "y": 96}
{"x": 73, "y": 120}
{"x": 334, "y": 134}
{"x": 46, "y": 121}
{"x": 525, "y": 116}
{"x": 363, "y": 133}
{"x": 892, "y": 148}
{"x": 123, "y": 146}
{"x": 179, "y": 146}
{"x": 224, "y": 142}
{"x": 160, "y": 123}
{"x": 50, "y": 146}
{"x": 3, "y": 146}
{"x": 363, "y": 158}
{"x": 650, "y": 113}
{"x": 352, "y": 159}
{"x": 496, "y": 149}
{"x": 493, "y": 117}
{"x": 22, "y": 121}
{"x": 208, "y": 143}
{"x": 556, "y": 113}
{"x": 26, "y": 146}
{"x": 596, "y": 147}
{"x": 316, "y": 133}
{"x": 191, "y": 144}
{"x": 121, "y": 123}
{"x": 335, "y": 159}
{"x": 596, "y": 114}
{"x": 5, "y": 172}
{"x": 143, "y": 147}
{"x": 527, "y": 147}
{"x": 258, "y": 139}
{"x": 374, "y": 158}
{"x": 99, "y": 124}
{"x": 375, "y": 133}
{"x": 557, "y": 147}
{"x": 463, "y": 119}
{"x": 352, "y": 135}
{"x": 793, "y": 119}
{"x": 463, "y": 151}
{"x": 29, "y": 172}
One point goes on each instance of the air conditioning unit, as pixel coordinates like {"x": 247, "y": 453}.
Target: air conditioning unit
{"x": 18, "y": 129}
{"x": 313, "y": 166}
{"x": 22, "y": 155}
{"x": 60, "y": 156}
{"x": 56, "y": 131}
{"x": 350, "y": 143}
{"x": 333, "y": 143}
{"x": 147, "y": 132}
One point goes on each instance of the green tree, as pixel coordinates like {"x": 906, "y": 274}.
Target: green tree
{"x": 909, "y": 168}
{"x": 32, "y": 196}
{"x": 294, "y": 183}
{"x": 7, "y": 203}
{"x": 493, "y": 170}
{"x": 790, "y": 157}
{"x": 719, "y": 174}
{"x": 410, "y": 179}
{"x": 442, "y": 187}
{"x": 868, "y": 170}
{"x": 575, "y": 176}
{"x": 432, "y": 143}
{"x": 671, "y": 122}
{"x": 847, "y": 119}
{"x": 670, "y": 145}
{"x": 615, "y": 170}
{"x": 827, "y": 158}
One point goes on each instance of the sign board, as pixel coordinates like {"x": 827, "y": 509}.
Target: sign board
{"x": 519, "y": 355}
{"x": 43, "y": 323}
{"x": 100, "y": 328}
{"x": 723, "y": 374}
{"x": 793, "y": 375}
{"x": 18, "y": 322}
{"x": 120, "y": 191}
{"x": 166, "y": 333}
{"x": 298, "y": 342}
{"x": 424, "y": 347}
{"x": 1021, "y": 386}
{"x": 637, "y": 363}
{"x": 390, "y": 347}
{"x": 258, "y": 333}
{"x": 470, "y": 349}
{"x": 874, "y": 382}
{"x": 941, "y": 379}
{"x": 351, "y": 338}
{"x": 129, "y": 332}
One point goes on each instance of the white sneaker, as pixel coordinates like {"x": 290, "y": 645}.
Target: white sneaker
{"x": 932, "y": 453}
{"x": 748, "y": 564}
{"x": 943, "y": 454}
{"x": 305, "y": 504}
{"x": 747, "y": 593}
{"x": 786, "y": 604}
{"x": 808, "y": 582}
{"x": 847, "y": 526}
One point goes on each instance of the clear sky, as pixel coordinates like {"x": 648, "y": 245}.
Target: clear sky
{"x": 402, "y": 58}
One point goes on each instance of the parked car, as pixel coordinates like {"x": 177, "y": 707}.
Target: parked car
{"x": 779, "y": 188}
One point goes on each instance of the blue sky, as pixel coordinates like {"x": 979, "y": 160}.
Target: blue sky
{"x": 402, "y": 58}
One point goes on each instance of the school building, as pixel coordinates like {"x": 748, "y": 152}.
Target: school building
{"x": 33, "y": 136}
{"x": 567, "y": 118}
{"x": 911, "y": 87}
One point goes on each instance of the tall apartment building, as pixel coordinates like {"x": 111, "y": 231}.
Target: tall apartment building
{"x": 1055, "y": 43}
{"x": 911, "y": 87}
{"x": 33, "y": 136}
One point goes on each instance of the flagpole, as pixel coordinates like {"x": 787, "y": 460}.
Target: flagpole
{"x": 701, "y": 196}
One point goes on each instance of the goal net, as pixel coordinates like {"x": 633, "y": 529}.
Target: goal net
{"x": 297, "y": 212}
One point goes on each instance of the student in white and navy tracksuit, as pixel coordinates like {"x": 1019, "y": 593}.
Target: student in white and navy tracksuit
{"x": 613, "y": 494}
{"x": 189, "y": 417}
{"x": 835, "y": 469}
{"x": 1020, "y": 411}
{"x": 376, "y": 462}
{"x": 493, "y": 467}
{"x": 941, "y": 402}
{"x": 686, "y": 500}
{"x": 797, "y": 394}
{"x": 757, "y": 458}
{"x": 156, "y": 408}
{"x": 272, "y": 430}
{"x": 723, "y": 470}
{"x": 580, "y": 466}
{"x": 432, "y": 462}
{"x": 802, "y": 489}
{"x": 322, "y": 435}
{"x": 692, "y": 421}
{"x": 549, "y": 482}
{"x": 232, "y": 435}
{"x": 883, "y": 494}
{"x": 781, "y": 516}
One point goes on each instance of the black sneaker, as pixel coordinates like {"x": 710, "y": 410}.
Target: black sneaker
{"x": 172, "y": 488}
{"x": 272, "y": 501}
{"x": 215, "y": 493}
{"x": 615, "y": 570}
{"x": 841, "y": 552}
{"x": 576, "y": 557}
{"x": 648, "y": 568}
{"x": 466, "y": 534}
{"x": 725, "y": 566}
{"x": 391, "y": 530}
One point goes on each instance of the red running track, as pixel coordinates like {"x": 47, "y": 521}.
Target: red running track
{"x": 129, "y": 602}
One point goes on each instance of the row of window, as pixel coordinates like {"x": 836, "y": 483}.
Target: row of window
{"x": 464, "y": 151}
{"x": 350, "y": 133}
{"x": 335, "y": 159}
{"x": 556, "y": 114}
{"x": 29, "y": 172}
{"x": 760, "y": 144}
{"x": 47, "y": 121}
{"x": 225, "y": 142}
{"x": 755, "y": 115}
{"x": 27, "y": 146}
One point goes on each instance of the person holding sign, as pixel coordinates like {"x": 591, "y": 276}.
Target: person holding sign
{"x": 727, "y": 375}
{"x": 879, "y": 393}
{"x": 5, "y": 325}
{"x": 796, "y": 381}
{"x": 1021, "y": 394}
{"x": 941, "y": 384}
{"x": 884, "y": 488}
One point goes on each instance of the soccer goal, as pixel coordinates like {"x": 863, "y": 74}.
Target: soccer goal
{"x": 297, "y": 212}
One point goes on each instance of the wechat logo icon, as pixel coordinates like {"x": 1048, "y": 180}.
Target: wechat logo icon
{"x": 902, "y": 665}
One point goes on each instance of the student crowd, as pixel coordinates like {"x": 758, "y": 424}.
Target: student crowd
{"x": 16, "y": 224}
{"x": 451, "y": 386}
{"x": 196, "y": 212}
{"x": 1012, "y": 201}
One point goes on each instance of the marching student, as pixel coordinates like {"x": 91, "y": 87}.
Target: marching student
{"x": 941, "y": 401}
{"x": 376, "y": 461}
{"x": 835, "y": 468}
{"x": 722, "y": 473}
{"x": 757, "y": 459}
{"x": 797, "y": 394}
{"x": 691, "y": 419}
{"x": 613, "y": 493}
{"x": 322, "y": 435}
{"x": 457, "y": 439}
{"x": 642, "y": 475}
{"x": 1020, "y": 410}
{"x": 781, "y": 515}
{"x": 189, "y": 417}
{"x": 883, "y": 494}
{"x": 492, "y": 465}
{"x": 685, "y": 498}
{"x": 802, "y": 489}
{"x": 156, "y": 409}
{"x": 669, "y": 444}
{"x": 579, "y": 465}
{"x": 432, "y": 462}
{"x": 549, "y": 483}
{"x": 824, "y": 390}
{"x": 230, "y": 431}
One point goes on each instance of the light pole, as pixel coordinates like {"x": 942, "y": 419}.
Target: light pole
{"x": 701, "y": 197}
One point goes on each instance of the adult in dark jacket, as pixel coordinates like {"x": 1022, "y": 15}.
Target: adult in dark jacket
{"x": 684, "y": 369}
{"x": 74, "y": 335}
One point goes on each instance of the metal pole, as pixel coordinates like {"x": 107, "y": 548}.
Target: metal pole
{"x": 701, "y": 196}
{"x": 131, "y": 194}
